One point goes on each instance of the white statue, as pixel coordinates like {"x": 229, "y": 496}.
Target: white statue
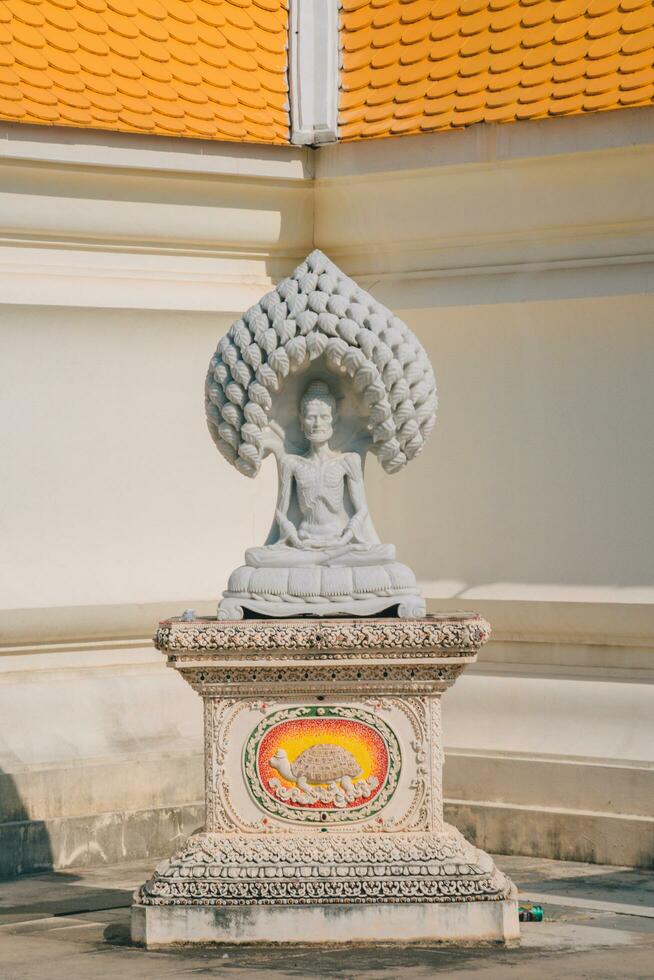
{"x": 281, "y": 364}
{"x": 334, "y": 527}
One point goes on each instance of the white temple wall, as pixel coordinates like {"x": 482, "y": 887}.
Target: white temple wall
{"x": 521, "y": 256}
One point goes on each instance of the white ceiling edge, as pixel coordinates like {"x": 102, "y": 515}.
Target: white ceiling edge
{"x": 313, "y": 71}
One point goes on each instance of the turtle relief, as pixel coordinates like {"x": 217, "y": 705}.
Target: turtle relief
{"x": 322, "y": 773}
{"x": 319, "y": 763}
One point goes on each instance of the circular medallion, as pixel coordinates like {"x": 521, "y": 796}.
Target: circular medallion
{"x": 322, "y": 764}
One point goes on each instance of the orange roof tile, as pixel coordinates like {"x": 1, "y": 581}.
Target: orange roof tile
{"x": 213, "y": 69}
{"x": 414, "y": 66}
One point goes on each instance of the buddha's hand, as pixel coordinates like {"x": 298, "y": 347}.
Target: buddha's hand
{"x": 352, "y": 531}
{"x": 287, "y": 531}
{"x": 272, "y": 440}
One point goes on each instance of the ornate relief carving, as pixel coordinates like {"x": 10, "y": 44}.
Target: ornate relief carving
{"x": 319, "y": 312}
{"x": 443, "y": 635}
{"x": 322, "y": 784}
{"x": 219, "y": 716}
{"x": 435, "y": 757}
{"x": 332, "y": 829}
{"x": 217, "y": 869}
{"x": 337, "y": 678}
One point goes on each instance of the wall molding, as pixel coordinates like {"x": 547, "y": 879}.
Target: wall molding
{"x": 559, "y": 638}
{"x": 118, "y": 221}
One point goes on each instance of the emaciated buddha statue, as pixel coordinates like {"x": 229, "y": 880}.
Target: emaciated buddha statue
{"x": 327, "y": 558}
{"x": 322, "y": 556}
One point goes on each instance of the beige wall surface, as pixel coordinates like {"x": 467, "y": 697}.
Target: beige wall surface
{"x": 120, "y": 268}
{"x": 539, "y": 476}
{"x": 113, "y": 492}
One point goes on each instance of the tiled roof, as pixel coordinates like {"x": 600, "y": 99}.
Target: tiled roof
{"x": 196, "y": 68}
{"x": 424, "y": 65}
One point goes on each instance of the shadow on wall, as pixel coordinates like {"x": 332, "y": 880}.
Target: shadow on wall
{"x": 24, "y": 843}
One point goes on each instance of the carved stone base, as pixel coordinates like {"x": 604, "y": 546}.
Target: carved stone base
{"x": 324, "y": 810}
{"x": 326, "y": 888}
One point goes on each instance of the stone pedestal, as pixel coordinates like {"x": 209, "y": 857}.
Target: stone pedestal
{"x": 324, "y": 814}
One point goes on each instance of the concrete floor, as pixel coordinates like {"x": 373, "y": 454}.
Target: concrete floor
{"x": 599, "y": 923}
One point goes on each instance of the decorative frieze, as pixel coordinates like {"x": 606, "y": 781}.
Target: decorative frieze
{"x": 216, "y": 869}
{"x": 455, "y": 633}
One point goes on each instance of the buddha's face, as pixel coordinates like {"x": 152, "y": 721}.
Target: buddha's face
{"x": 317, "y": 421}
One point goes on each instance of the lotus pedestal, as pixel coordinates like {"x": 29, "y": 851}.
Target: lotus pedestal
{"x": 323, "y": 776}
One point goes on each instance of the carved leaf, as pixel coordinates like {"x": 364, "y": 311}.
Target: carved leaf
{"x": 297, "y": 351}
{"x": 337, "y": 305}
{"x": 231, "y": 355}
{"x": 385, "y": 430}
{"x": 327, "y": 283}
{"x": 409, "y": 430}
{"x": 214, "y": 415}
{"x": 297, "y": 305}
{"x": 258, "y": 322}
{"x": 252, "y": 356}
{"x": 405, "y": 410}
{"x": 269, "y": 340}
{"x": 376, "y": 323}
{"x": 366, "y": 375}
{"x": 260, "y": 395}
{"x": 420, "y": 392}
{"x": 359, "y": 313}
{"x": 251, "y": 433}
{"x": 254, "y": 413}
{"x": 267, "y": 377}
{"x": 242, "y": 373}
{"x": 414, "y": 371}
{"x": 241, "y": 335}
{"x": 327, "y": 323}
{"x": 380, "y": 410}
{"x": 375, "y": 392}
{"x": 232, "y": 414}
{"x": 382, "y": 355}
{"x": 235, "y": 393}
{"x": 215, "y": 394}
{"x": 316, "y": 343}
{"x": 392, "y": 372}
{"x": 288, "y": 289}
{"x": 308, "y": 282}
{"x": 335, "y": 351}
{"x": 318, "y": 301}
{"x": 229, "y": 434}
{"x": 248, "y": 452}
{"x": 222, "y": 374}
{"x": 414, "y": 446}
{"x": 349, "y": 330}
{"x": 306, "y": 321}
{"x": 286, "y": 330}
{"x": 367, "y": 341}
{"x": 353, "y": 360}
{"x": 387, "y": 450}
{"x": 279, "y": 362}
{"x": 399, "y": 392}
{"x": 251, "y": 313}
{"x": 405, "y": 354}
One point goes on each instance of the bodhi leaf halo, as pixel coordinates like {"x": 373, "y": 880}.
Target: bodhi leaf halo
{"x": 318, "y": 316}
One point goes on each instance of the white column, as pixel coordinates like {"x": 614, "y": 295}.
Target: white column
{"x": 313, "y": 70}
